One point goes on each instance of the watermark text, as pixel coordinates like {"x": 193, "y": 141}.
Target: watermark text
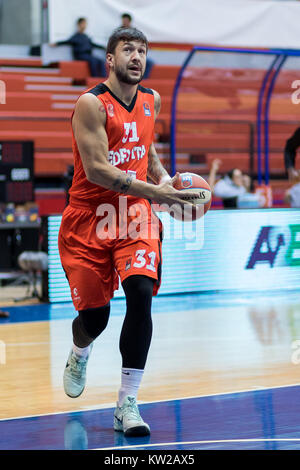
{"x": 296, "y": 94}
{"x": 2, "y": 92}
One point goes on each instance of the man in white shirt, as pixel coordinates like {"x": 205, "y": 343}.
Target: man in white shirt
{"x": 292, "y": 195}
{"x": 234, "y": 188}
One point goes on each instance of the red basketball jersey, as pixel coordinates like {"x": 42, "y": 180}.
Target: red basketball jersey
{"x": 130, "y": 131}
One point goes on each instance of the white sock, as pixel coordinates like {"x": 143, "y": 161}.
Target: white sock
{"x": 130, "y": 382}
{"x": 81, "y": 352}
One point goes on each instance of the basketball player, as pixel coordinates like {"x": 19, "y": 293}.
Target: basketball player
{"x": 112, "y": 128}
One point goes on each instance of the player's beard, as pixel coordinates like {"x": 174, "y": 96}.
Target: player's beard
{"x": 123, "y": 76}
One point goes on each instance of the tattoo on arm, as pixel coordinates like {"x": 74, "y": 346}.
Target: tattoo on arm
{"x": 102, "y": 109}
{"x": 121, "y": 185}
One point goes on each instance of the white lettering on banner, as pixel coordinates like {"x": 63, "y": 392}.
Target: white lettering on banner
{"x": 125, "y": 155}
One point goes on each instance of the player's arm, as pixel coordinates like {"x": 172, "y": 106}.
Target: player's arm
{"x": 212, "y": 177}
{"x": 89, "y": 130}
{"x": 156, "y": 172}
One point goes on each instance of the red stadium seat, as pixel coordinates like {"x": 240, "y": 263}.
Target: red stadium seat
{"x": 210, "y": 119}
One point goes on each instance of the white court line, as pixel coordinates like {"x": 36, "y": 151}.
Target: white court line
{"x": 112, "y": 405}
{"x": 220, "y": 441}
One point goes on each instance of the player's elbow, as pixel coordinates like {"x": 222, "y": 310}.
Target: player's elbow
{"x": 90, "y": 175}
{"x": 95, "y": 173}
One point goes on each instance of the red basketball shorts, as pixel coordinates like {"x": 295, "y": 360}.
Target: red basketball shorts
{"x": 94, "y": 256}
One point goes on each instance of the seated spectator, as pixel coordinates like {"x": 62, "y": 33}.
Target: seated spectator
{"x": 234, "y": 188}
{"x": 82, "y": 47}
{"x": 126, "y": 22}
{"x": 290, "y": 150}
{"x": 292, "y": 195}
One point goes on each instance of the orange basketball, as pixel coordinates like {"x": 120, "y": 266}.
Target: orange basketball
{"x": 191, "y": 181}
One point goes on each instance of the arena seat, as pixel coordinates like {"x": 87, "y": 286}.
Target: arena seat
{"x": 164, "y": 71}
{"x": 22, "y": 62}
{"x": 78, "y": 69}
{"x": 211, "y": 121}
{"x": 52, "y": 163}
{"x": 50, "y": 201}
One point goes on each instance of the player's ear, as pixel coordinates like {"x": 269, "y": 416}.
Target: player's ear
{"x": 110, "y": 59}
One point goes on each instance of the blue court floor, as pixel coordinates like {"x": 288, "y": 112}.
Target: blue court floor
{"x": 265, "y": 419}
{"x": 232, "y": 335}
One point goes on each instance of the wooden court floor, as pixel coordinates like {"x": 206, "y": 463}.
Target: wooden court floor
{"x": 203, "y": 345}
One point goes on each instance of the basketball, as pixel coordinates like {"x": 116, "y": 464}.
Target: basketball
{"x": 191, "y": 181}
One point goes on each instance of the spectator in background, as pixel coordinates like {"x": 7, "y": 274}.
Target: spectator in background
{"x": 126, "y": 20}
{"x": 82, "y": 47}
{"x": 292, "y": 195}
{"x": 290, "y": 150}
{"x": 234, "y": 188}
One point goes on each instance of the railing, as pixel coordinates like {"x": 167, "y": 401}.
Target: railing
{"x": 263, "y": 104}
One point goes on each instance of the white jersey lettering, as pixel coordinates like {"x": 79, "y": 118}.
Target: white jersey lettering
{"x": 125, "y": 155}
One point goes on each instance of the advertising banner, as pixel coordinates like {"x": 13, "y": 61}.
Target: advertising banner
{"x": 227, "y": 250}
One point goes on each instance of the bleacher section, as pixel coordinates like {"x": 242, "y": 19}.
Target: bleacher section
{"x": 215, "y": 113}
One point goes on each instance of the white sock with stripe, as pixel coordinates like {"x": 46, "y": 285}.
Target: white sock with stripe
{"x": 130, "y": 383}
{"x": 81, "y": 352}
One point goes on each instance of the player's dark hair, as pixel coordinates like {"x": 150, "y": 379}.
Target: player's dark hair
{"x": 125, "y": 34}
{"x": 127, "y": 15}
{"x": 230, "y": 173}
{"x": 80, "y": 20}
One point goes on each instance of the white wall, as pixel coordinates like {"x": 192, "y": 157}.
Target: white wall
{"x": 255, "y": 23}
{"x": 20, "y": 22}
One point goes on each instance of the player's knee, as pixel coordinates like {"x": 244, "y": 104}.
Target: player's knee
{"x": 139, "y": 287}
{"x": 94, "y": 320}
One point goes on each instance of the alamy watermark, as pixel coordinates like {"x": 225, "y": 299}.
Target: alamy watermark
{"x": 296, "y": 94}
{"x": 135, "y": 222}
{"x": 2, "y": 353}
{"x": 2, "y": 92}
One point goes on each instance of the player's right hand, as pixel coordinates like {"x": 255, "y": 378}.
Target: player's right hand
{"x": 165, "y": 193}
